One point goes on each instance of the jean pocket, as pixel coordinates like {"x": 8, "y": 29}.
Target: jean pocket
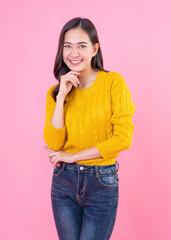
{"x": 109, "y": 179}
{"x": 57, "y": 171}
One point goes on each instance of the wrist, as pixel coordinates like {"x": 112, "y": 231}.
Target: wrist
{"x": 60, "y": 98}
{"x": 76, "y": 156}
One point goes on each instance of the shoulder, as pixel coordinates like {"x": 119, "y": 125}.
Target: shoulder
{"x": 115, "y": 79}
{"x": 49, "y": 95}
{"x": 50, "y": 90}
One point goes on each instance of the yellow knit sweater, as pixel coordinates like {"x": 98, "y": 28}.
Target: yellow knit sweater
{"x": 100, "y": 116}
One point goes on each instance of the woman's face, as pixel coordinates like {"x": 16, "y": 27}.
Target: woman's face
{"x": 78, "y": 50}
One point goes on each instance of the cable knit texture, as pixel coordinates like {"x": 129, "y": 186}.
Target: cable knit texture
{"x": 100, "y": 116}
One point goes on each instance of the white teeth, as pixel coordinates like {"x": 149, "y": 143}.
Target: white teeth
{"x": 75, "y": 61}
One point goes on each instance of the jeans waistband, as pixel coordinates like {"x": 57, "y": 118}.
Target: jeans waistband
{"x": 91, "y": 168}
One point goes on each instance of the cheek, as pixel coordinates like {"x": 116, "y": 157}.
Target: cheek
{"x": 86, "y": 55}
{"x": 64, "y": 54}
{"x": 87, "y": 59}
{"x": 89, "y": 54}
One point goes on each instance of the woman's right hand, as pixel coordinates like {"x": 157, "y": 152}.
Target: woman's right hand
{"x": 67, "y": 81}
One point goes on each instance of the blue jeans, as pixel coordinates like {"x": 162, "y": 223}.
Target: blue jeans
{"x": 84, "y": 200}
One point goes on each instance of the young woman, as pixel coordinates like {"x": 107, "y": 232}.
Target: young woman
{"x": 88, "y": 122}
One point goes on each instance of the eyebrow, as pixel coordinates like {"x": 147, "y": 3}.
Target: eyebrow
{"x": 78, "y": 43}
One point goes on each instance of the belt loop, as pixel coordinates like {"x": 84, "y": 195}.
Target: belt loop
{"x": 63, "y": 165}
{"x": 97, "y": 170}
{"x": 117, "y": 167}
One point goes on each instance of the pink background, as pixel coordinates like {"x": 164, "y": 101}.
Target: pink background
{"x": 135, "y": 40}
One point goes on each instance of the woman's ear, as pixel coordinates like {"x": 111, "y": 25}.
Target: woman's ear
{"x": 96, "y": 47}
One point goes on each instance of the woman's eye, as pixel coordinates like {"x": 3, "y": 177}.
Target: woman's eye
{"x": 68, "y": 46}
{"x": 82, "y": 46}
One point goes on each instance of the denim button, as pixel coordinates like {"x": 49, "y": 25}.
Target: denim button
{"x": 81, "y": 168}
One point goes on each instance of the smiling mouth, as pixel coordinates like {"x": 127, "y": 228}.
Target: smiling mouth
{"x": 75, "y": 62}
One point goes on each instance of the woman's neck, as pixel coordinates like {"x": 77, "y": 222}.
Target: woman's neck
{"x": 86, "y": 79}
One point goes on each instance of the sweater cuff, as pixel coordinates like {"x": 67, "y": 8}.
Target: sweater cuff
{"x": 104, "y": 150}
{"x": 54, "y": 137}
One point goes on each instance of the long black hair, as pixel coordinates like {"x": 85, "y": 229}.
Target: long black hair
{"x": 60, "y": 68}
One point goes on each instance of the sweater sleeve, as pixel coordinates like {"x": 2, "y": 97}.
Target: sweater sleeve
{"x": 54, "y": 137}
{"x": 121, "y": 120}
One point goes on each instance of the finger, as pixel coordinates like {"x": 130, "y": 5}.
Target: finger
{"x": 52, "y": 154}
{"x": 74, "y": 72}
{"x": 52, "y": 159}
{"x": 77, "y": 80}
{"x": 47, "y": 148}
{"x": 50, "y": 150}
{"x": 74, "y": 75}
{"x": 72, "y": 80}
{"x": 57, "y": 163}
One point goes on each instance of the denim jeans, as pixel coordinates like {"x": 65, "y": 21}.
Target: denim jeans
{"x": 84, "y": 200}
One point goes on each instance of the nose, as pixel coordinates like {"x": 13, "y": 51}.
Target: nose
{"x": 74, "y": 52}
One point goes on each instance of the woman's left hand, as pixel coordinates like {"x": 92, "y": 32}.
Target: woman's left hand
{"x": 55, "y": 157}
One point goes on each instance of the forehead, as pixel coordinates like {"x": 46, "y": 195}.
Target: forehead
{"x": 76, "y": 35}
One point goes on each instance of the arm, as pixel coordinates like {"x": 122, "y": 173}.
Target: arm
{"x": 123, "y": 127}
{"x": 87, "y": 154}
{"x": 54, "y": 130}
